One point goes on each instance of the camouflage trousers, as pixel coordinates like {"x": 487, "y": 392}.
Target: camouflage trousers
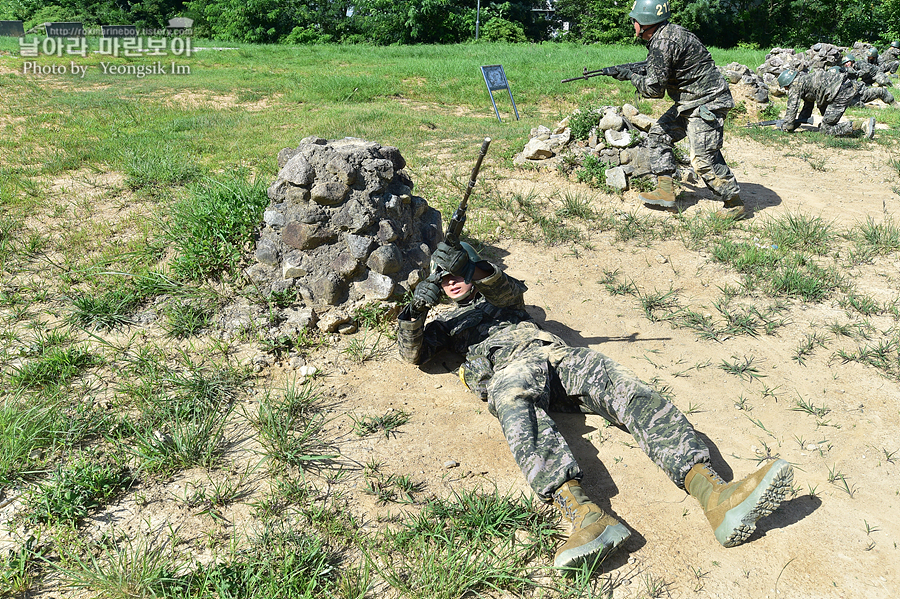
{"x": 832, "y": 112}
{"x": 705, "y": 137}
{"x": 864, "y": 93}
{"x": 559, "y": 378}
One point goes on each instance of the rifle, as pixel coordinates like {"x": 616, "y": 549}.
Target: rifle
{"x": 636, "y": 67}
{"x": 455, "y": 226}
{"x": 779, "y": 123}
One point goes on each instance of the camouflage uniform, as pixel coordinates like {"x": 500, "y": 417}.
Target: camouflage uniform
{"x": 863, "y": 93}
{"x": 524, "y": 372}
{"x": 679, "y": 63}
{"x": 831, "y": 91}
{"x": 890, "y": 60}
{"x": 869, "y": 74}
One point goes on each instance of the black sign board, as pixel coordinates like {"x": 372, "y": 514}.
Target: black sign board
{"x": 64, "y": 29}
{"x": 495, "y": 79}
{"x": 119, "y": 30}
{"x": 12, "y": 29}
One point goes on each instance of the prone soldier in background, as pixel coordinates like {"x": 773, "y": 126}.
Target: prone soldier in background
{"x": 524, "y": 373}
{"x": 679, "y": 63}
{"x": 830, "y": 91}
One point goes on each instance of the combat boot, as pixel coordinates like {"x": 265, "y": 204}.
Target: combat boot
{"x": 734, "y": 508}
{"x": 663, "y": 197}
{"x": 869, "y": 128}
{"x": 595, "y": 534}
{"x": 734, "y": 208}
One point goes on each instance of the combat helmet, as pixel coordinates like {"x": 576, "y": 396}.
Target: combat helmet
{"x": 787, "y": 77}
{"x": 469, "y": 269}
{"x": 895, "y": 44}
{"x": 848, "y": 58}
{"x": 650, "y": 12}
{"x": 873, "y": 53}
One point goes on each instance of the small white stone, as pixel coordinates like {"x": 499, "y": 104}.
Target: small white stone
{"x": 451, "y": 464}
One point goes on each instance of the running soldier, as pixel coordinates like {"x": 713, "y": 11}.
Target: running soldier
{"x": 679, "y": 63}
{"x": 524, "y": 372}
{"x": 831, "y": 91}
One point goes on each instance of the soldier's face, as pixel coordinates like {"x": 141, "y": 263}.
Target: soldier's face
{"x": 455, "y": 287}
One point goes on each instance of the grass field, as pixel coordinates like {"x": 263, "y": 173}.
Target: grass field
{"x": 118, "y": 194}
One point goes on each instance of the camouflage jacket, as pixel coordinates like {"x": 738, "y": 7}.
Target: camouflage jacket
{"x": 889, "y": 55}
{"x": 868, "y": 73}
{"x": 819, "y": 87}
{"x": 489, "y": 331}
{"x": 679, "y": 63}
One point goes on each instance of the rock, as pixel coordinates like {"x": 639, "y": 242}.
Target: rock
{"x": 376, "y": 286}
{"x": 294, "y": 266}
{"x": 306, "y": 237}
{"x": 615, "y": 178}
{"x": 541, "y": 132}
{"x": 347, "y": 328}
{"x": 273, "y": 218}
{"x": 629, "y": 111}
{"x": 537, "y": 149}
{"x": 385, "y": 260}
{"x": 345, "y": 265}
{"x": 297, "y": 171}
{"x": 359, "y": 246}
{"x": 267, "y": 252}
{"x": 451, "y": 464}
{"x": 611, "y": 122}
{"x": 307, "y": 371}
{"x": 329, "y": 193}
{"x": 329, "y": 322}
{"x": 302, "y": 318}
{"x": 327, "y": 289}
{"x": 617, "y": 139}
{"x": 558, "y": 140}
{"x": 642, "y": 122}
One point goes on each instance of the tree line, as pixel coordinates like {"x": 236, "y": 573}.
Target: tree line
{"x": 720, "y": 23}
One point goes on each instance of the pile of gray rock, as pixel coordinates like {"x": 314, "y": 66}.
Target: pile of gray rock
{"x": 343, "y": 225}
{"x": 618, "y": 139}
{"x": 739, "y": 74}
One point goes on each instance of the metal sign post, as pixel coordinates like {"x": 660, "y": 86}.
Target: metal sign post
{"x": 495, "y": 79}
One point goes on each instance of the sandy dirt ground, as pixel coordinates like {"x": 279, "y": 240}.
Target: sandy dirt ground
{"x": 835, "y": 538}
{"x": 825, "y": 541}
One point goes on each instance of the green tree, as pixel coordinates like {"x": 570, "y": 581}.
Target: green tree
{"x": 596, "y": 21}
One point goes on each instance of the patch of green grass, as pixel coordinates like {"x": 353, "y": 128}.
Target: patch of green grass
{"x": 577, "y": 205}
{"x": 593, "y": 173}
{"x": 123, "y": 568}
{"x": 187, "y": 318}
{"x": 742, "y": 368}
{"x": 73, "y": 490}
{"x": 387, "y": 423}
{"x": 659, "y": 305}
{"x": 157, "y": 166}
{"x": 106, "y": 310}
{"x": 471, "y": 543}
{"x": 21, "y": 567}
{"x": 52, "y": 367}
{"x": 800, "y": 231}
{"x": 211, "y": 226}
{"x": 875, "y": 239}
{"x": 290, "y": 428}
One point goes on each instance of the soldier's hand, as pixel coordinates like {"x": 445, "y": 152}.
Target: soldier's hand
{"x": 623, "y": 74}
{"x": 427, "y": 294}
{"x": 452, "y": 260}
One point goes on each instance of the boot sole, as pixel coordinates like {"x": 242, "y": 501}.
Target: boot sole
{"x": 740, "y": 521}
{"x": 595, "y": 551}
